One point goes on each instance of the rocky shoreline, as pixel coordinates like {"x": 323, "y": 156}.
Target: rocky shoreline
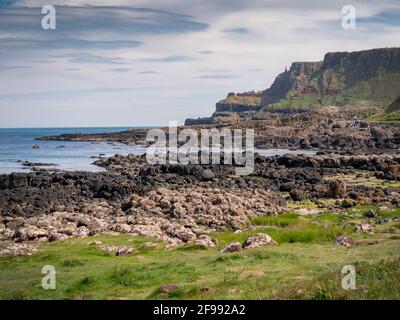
{"x": 356, "y": 163}
{"x": 185, "y": 204}
{"x": 319, "y": 129}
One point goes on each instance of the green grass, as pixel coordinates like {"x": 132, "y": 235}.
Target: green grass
{"x": 282, "y": 220}
{"x": 382, "y": 213}
{"x": 305, "y": 264}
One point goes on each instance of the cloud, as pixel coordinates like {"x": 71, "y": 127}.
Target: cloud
{"x": 255, "y": 70}
{"x": 386, "y": 18}
{"x": 64, "y": 94}
{"x": 79, "y": 26}
{"x": 66, "y": 44}
{"x": 217, "y": 76}
{"x": 176, "y": 47}
{"x": 149, "y": 72}
{"x": 168, "y": 59}
{"x": 120, "y": 70}
{"x": 85, "y": 57}
{"x": 237, "y": 30}
{"x": 14, "y": 67}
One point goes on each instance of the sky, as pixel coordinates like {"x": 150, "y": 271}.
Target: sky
{"x": 147, "y": 62}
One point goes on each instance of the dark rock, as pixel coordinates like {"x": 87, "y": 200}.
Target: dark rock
{"x": 297, "y": 195}
{"x": 207, "y": 175}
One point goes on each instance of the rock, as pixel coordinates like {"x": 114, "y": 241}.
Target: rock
{"x": 207, "y": 175}
{"x": 287, "y": 187}
{"x": 9, "y": 248}
{"x": 124, "y": 251}
{"x": 82, "y": 232}
{"x": 205, "y": 241}
{"x": 118, "y": 251}
{"x": 371, "y": 214}
{"x": 348, "y": 203}
{"x": 57, "y": 237}
{"x": 123, "y": 228}
{"x": 168, "y": 288}
{"x": 345, "y": 241}
{"x": 36, "y": 146}
{"x": 379, "y": 134}
{"x": 19, "y": 221}
{"x": 337, "y": 188}
{"x": 233, "y": 247}
{"x": 297, "y": 195}
{"x": 29, "y": 233}
{"x": 259, "y": 240}
{"x": 364, "y": 228}
{"x": 20, "y": 235}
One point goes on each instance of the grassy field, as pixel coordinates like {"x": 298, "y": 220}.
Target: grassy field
{"x": 306, "y": 264}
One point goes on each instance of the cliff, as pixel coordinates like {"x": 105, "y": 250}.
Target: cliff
{"x": 363, "y": 79}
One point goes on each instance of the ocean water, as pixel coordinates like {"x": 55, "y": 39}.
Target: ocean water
{"x": 16, "y": 145}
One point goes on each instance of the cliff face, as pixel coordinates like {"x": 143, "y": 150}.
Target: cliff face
{"x": 342, "y": 78}
{"x": 360, "y": 79}
{"x": 295, "y": 79}
{"x": 240, "y": 102}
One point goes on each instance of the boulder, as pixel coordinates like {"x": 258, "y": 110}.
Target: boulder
{"x": 207, "y": 175}
{"x": 297, "y": 195}
{"x": 205, "y": 241}
{"x": 379, "y": 134}
{"x": 344, "y": 241}
{"x": 337, "y": 188}
{"x": 233, "y": 247}
{"x": 57, "y": 237}
{"x": 258, "y": 240}
{"x": 364, "y": 228}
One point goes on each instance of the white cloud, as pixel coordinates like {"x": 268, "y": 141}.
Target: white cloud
{"x": 169, "y": 70}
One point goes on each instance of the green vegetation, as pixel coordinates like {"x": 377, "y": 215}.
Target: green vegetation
{"x": 390, "y": 114}
{"x": 306, "y": 264}
{"x": 242, "y": 100}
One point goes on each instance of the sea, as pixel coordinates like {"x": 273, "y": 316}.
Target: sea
{"x": 16, "y": 146}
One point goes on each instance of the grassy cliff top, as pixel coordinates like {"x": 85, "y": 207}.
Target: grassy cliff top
{"x": 242, "y": 100}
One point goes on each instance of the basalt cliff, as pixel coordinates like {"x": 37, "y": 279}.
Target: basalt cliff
{"x": 364, "y": 80}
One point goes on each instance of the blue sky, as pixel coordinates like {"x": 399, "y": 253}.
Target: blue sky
{"x": 145, "y": 62}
